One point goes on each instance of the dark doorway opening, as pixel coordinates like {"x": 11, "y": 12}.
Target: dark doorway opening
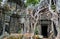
{"x": 44, "y": 28}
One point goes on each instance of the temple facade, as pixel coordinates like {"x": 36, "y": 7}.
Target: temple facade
{"x": 38, "y": 21}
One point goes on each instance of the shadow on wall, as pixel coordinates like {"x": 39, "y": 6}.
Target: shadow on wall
{"x": 55, "y": 30}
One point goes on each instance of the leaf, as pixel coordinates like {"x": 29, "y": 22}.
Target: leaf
{"x": 53, "y": 7}
{"x": 34, "y": 2}
{"x": 0, "y": 1}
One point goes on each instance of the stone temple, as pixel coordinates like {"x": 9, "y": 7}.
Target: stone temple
{"x": 40, "y": 18}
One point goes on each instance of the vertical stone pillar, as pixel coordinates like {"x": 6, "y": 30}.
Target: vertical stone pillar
{"x": 14, "y": 23}
{"x": 52, "y": 25}
{"x": 1, "y": 21}
{"x": 58, "y": 36}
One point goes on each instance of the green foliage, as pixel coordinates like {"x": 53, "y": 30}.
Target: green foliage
{"x": 53, "y": 7}
{"x": 0, "y": 1}
{"x": 36, "y": 31}
{"x": 19, "y": 31}
{"x": 34, "y": 2}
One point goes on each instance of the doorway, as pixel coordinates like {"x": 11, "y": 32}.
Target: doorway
{"x": 44, "y": 28}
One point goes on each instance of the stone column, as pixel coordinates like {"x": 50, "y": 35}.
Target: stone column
{"x": 1, "y": 21}
{"x": 14, "y": 23}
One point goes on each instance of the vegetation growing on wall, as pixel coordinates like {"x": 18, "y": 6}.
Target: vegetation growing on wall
{"x": 33, "y": 2}
{"x": 53, "y": 6}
